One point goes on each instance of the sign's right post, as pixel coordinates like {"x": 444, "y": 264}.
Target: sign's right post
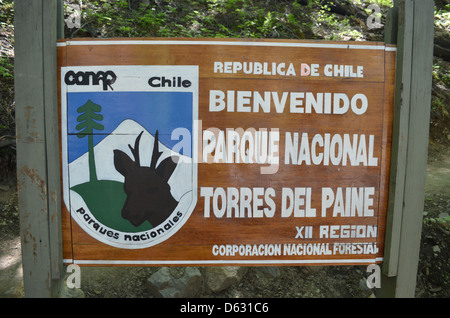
{"x": 411, "y": 27}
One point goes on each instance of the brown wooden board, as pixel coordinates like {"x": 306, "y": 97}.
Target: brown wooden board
{"x": 283, "y": 151}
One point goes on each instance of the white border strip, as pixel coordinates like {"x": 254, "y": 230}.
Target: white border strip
{"x": 230, "y": 43}
{"x": 222, "y": 262}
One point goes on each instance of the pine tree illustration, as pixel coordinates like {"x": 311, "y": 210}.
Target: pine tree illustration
{"x": 88, "y": 122}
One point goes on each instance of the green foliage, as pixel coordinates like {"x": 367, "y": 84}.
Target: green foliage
{"x": 442, "y": 18}
{"x": 6, "y": 33}
{"x": 333, "y": 27}
{"x": 438, "y": 106}
{"x": 435, "y": 211}
{"x": 6, "y": 68}
{"x": 205, "y": 18}
{"x": 6, "y": 12}
{"x": 441, "y": 74}
{"x": 385, "y": 3}
{"x": 7, "y": 120}
{"x": 295, "y": 19}
{"x": 9, "y": 212}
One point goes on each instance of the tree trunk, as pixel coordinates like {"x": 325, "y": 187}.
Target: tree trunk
{"x": 92, "y": 168}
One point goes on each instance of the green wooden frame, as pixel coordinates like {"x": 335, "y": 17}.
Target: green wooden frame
{"x": 38, "y": 173}
{"x": 412, "y": 30}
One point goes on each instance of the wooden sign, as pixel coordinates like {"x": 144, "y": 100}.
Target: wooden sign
{"x": 225, "y": 152}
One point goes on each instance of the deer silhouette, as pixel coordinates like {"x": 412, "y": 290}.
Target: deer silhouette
{"x": 147, "y": 188}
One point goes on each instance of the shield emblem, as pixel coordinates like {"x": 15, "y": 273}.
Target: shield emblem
{"x": 128, "y": 148}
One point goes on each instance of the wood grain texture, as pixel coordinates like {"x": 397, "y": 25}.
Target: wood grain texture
{"x": 194, "y": 242}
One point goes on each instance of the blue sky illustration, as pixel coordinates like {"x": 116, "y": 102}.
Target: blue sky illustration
{"x": 162, "y": 111}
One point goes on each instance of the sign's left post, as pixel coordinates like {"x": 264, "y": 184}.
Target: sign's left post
{"x": 37, "y": 28}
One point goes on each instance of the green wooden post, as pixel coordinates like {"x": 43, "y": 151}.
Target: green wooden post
{"x": 38, "y": 169}
{"x": 410, "y": 143}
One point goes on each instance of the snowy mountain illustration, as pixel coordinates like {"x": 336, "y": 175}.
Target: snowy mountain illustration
{"x": 124, "y": 135}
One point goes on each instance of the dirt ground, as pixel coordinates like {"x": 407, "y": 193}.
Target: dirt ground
{"x": 275, "y": 282}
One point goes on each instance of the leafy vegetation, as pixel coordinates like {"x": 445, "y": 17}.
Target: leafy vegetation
{"x": 6, "y": 68}
{"x": 296, "y": 19}
{"x": 7, "y": 120}
{"x": 442, "y": 17}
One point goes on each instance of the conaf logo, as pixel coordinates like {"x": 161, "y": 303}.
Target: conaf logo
{"x": 90, "y": 78}
{"x": 127, "y": 182}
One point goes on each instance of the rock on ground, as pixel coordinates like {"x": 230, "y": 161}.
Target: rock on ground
{"x": 186, "y": 282}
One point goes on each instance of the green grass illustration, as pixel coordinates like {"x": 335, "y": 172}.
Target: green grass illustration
{"x": 105, "y": 200}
